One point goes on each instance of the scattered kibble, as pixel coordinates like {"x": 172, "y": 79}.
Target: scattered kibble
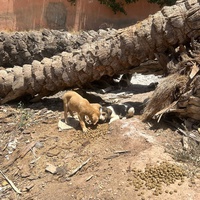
{"x": 198, "y": 176}
{"x": 190, "y": 185}
{"x": 154, "y": 176}
{"x": 100, "y": 131}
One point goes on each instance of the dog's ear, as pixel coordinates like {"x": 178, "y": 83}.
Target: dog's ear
{"x": 96, "y": 106}
{"x": 106, "y": 110}
{"x": 95, "y": 119}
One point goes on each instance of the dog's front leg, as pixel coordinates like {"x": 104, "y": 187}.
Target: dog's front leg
{"x": 113, "y": 119}
{"x": 71, "y": 112}
{"x": 82, "y": 122}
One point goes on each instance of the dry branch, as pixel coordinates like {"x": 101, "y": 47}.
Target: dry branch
{"x": 79, "y": 168}
{"x": 11, "y": 183}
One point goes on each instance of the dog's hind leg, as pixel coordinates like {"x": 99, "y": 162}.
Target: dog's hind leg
{"x": 65, "y": 112}
{"x": 130, "y": 112}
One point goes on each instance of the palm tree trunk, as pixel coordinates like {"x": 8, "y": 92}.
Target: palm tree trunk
{"x": 18, "y": 48}
{"x": 113, "y": 54}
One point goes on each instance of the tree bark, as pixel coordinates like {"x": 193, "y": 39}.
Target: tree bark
{"x": 18, "y": 48}
{"x": 119, "y": 52}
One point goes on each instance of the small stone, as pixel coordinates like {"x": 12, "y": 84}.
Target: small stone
{"x": 39, "y": 145}
{"x": 25, "y": 174}
{"x": 53, "y": 152}
{"x": 61, "y": 170}
{"x": 32, "y": 177}
{"x": 4, "y": 183}
{"x": 64, "y": 179}
{"x": 28, "y": 187}
{"x": 26, "y": 132}
{"x": 51, "y": 168}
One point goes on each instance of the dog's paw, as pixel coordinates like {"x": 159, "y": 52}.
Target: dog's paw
{"x": 116, "y": 117}
{"x": 87, "y": 120}
{"x": 84, "y": 130}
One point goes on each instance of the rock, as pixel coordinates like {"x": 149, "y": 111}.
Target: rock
{"x": 61, "y": 171}
{"x": 51, "y": 168}
{"x": 26, "y": 132}
{"x": 72, "y": 123}
{"x": 4, "y": 183}
{"x": 25, "y": 174}
{"x": 64, "y": 179}
{"x": 185, "y": 143}
{"x": 28, "y": 188}
{"x": 53, "y": 152}
{"x": 39, "y": 145}
{"x": 12, "y": 146}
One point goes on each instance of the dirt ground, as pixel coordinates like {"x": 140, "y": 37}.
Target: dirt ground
{"x": 44, "y": 162}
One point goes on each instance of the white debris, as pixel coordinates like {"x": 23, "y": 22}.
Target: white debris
{"x": 51, "y": 168}
{"x": 72, "y": 123}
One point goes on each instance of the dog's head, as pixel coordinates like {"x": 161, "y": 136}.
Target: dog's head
{"x": 97, "y": 113}
{"x": 95, "y": 119}
{"x": 105, "y": 115}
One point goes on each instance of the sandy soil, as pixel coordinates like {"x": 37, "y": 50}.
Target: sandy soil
{"x": 45, "y": 163}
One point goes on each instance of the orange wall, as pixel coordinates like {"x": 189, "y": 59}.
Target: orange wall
{"x": 22, "y": 15}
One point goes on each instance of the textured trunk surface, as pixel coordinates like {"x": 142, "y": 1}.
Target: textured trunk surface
{"x": 117, "y": 52}
{"x": 18, "y": 48}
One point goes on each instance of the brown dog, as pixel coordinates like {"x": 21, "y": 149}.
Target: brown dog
{"x": 73, "y": 102}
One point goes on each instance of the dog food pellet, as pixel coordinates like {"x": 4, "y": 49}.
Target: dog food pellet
{"x": 154, "y": 176}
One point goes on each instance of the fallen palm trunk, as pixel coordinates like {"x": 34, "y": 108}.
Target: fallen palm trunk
{"x": 118, "y": 53}
{"x": 18, "y": 48}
